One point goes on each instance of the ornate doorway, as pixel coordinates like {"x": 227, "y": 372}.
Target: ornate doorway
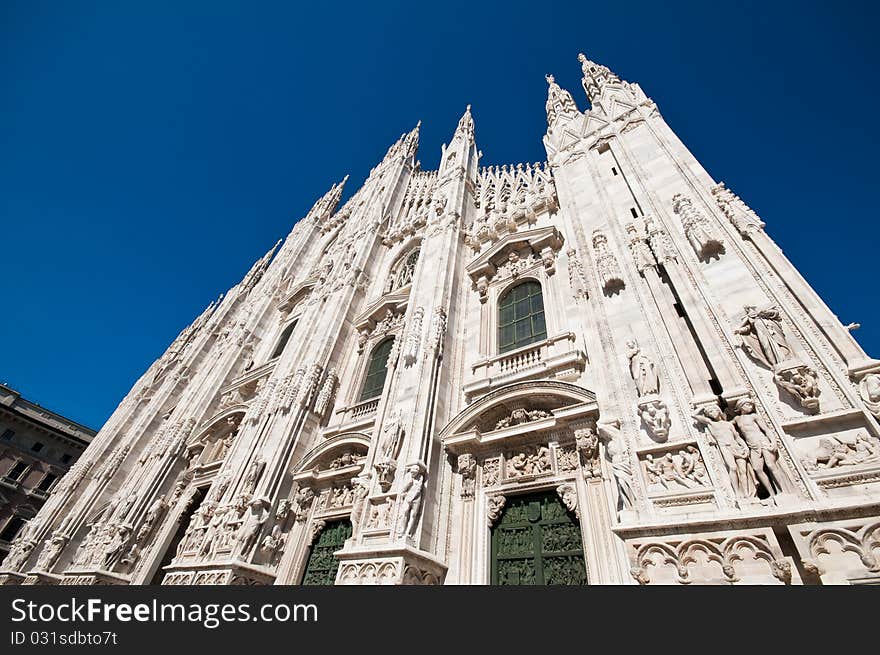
{"x": 322, "y": 566}
{"x": 536, "y": 541}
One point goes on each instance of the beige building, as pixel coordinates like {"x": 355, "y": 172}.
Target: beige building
{"x": 36, "y": 449}
{"x": 599, "y": 369}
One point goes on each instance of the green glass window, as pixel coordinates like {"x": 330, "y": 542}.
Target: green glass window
{"x": 521, "y": 317}
{"x": 322, "y": 566}
{"x": 377, "y": 369}
{"x": 282, "y": 342}
{"x": 536, "y": 541}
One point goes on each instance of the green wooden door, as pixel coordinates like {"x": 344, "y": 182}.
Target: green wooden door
{"x": 322, "y": 566}
{"x": 536, "y": 541}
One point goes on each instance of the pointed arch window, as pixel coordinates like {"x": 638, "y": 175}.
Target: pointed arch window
{"x": 405, "y": 271}
{"x": 282, "y": 341}
{"x": 521, "y": 316}
{"x": 377, "y": 370}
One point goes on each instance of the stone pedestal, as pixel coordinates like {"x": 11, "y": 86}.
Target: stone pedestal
{"x": 218, "y": 573}
{"x": 11, "y": 578}
{"x": 395, "y": 564}
{"x": 93, "y": 577}
{"x": 37, "y": 578}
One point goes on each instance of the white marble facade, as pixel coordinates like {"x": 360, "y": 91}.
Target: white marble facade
{"x": 699, "y": 411}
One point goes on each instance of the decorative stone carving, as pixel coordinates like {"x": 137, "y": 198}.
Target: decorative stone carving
{"x": 869, "y": 390}
{"x": 568, "y": 495}
{"x": 491, "y": 471}
{"x": 317, "y": 528}
{"x": 521, "y": 415}
{"x": 495, "y": 505}
{"x": 249, "y": 533}
{"x": 413, "y": 337}
{"x": 530, "y": 461}
{"x": 641, "y": 252}
{"x": 800, "y": 381}
{"x": 340, "y": 496}
{"x": 390, "y": 440}
{"x": 255, "y": 470}
{"x": 588, "y": 448}
{"x": 655, "y": 415}
{"x": 302, "y": 503}
{"x": 700, "y": 234}
{"x": 361, "y": 488}
{"x": 762, "y": 337}
{"x": 744, "y": 219}
{"x": 675, "y": 472}
{"x": 642, "y": 370}
{"x": 661, "y": 245}
{"x": 733, "y": 450}
{"x": 467, "y": 468}
{"x": 566, "y": 459}
{"x": 438, "y": 332}
{"x": 345, "y": 459}
{"x": 18, "y": 554}
{"x": 273, "y": 544}
{"x": 763, "y": 448}
{"x": 577, "y": 279}
{"x": 606, "y": 263}
{"x": 322, "y": 404}
{"x": 841, "y": 451}
{"x": 617, "y": 454}
{"x": 411, "y": 492}
{"x": 51, "y": 551}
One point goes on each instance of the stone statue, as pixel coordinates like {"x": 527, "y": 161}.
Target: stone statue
{"x": 254, "y": 472}
{"x": 18, "y": 554}
{"x": 617, "y": 455}
{"x": 51, "y": 550}
{"x": 643, "y": 370}
{"x": 249, "y": 532}
{"x": 273, "y": 544}
{"x": 842, "y": 451}
{"x": 869, "y": 390}
{"x": 800, "y": 382}
{"x": 762, "y": 337}
{"x": 411, "y": 500}
{"x": 734, "y": 452}
{"x": 763, "y": 449}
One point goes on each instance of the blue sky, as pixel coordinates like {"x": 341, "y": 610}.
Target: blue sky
{"x": 150, "y": 151}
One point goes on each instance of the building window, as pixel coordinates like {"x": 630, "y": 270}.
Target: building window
{"x": 37, "y": 447}
{"x": 8, "y": 433}
{"x": 66, "y": 457}
{"x": 47, "y": 481}
{"x": 282, "y": 342}
{"x": 12, "y": 528}
{"x": 17, "y": 471}
{"x": 521, "y": 317}
{"x": 377, "y": 369}
{"x": 406, "y": 270}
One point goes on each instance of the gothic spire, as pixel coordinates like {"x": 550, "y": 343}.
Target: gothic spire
{"x": 597, "y": 78}
{"x": 560, "y": 104}
{"x": 466, "y": 125}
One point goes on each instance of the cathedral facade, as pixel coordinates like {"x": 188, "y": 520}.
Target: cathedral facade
{"x": 597, "y": 369}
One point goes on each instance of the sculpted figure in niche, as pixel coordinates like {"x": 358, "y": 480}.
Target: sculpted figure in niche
{"x": 253, "y": 474}
{"x": 734, "y": 451}
{"x": 842, "y": 451}
{"x": 253, "y": 524}
{"x": 762, "y": 336}
{"x": 411, "y": 500}
{"x": 51, "y": 550}
{"x": 617, "y": 455}
{"x": 763, "y": 449}
{"x": 643, "y": 370}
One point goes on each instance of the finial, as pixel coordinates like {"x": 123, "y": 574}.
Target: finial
{"x": 550, "y": 79}
{"x": 419, "y": 124}
{"x": 468, "y": 108}
{"x": 582, "y": 57}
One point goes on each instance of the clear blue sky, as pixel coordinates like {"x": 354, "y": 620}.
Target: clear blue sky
{"x": 150, "y": 151}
